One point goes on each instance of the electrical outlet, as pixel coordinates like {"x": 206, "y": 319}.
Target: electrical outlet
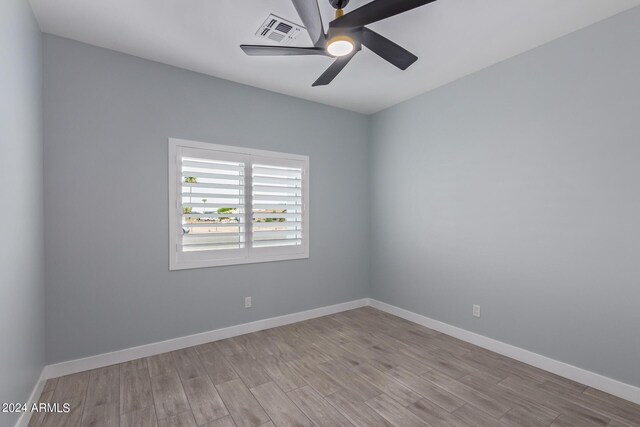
{"x": 247, "y": 302}
{"x": 476, "y": 310}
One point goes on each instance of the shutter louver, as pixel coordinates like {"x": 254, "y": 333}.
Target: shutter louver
{"x": 212, "y": 203}
{"x": 277, "y": 207}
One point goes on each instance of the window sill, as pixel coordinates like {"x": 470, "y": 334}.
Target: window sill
{"x": 188, "y": 265}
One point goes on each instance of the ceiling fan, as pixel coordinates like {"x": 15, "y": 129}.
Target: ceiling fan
{"x": 346, "y": 36}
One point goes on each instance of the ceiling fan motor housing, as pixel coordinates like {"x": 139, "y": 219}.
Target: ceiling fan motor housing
{"x": 339, "y": 4}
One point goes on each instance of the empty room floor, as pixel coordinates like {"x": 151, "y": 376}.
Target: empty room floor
{"x": 361, "y": 367}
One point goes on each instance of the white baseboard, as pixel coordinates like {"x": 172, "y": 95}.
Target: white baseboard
{"x": 600, "y": 382}
{"x": 120, "y": 356}
{"x": 23, "y": 421}
{"x": 591, "y": 379}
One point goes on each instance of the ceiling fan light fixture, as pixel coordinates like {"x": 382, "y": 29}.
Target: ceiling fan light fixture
{"x": 340, "y": 46}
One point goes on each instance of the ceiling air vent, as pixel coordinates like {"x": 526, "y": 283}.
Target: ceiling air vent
{"x": 279, "y": 30}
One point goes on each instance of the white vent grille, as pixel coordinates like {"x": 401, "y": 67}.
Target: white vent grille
{"x": 279, "y": 30}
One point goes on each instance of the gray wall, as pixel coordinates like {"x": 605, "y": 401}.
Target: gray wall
{"x": 21, "y": 257}
{"x": 107, "y": 119}
{"x": 518, "y": 188}
{"x": 515, "y": 188}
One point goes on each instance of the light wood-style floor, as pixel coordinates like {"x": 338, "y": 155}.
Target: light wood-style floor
{"x": 361, "y": 367}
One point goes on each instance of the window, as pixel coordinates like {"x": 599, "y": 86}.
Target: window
{"x": 231, "y": 205}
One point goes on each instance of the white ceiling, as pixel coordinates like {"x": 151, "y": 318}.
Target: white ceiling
{"x": 452, "y": 38}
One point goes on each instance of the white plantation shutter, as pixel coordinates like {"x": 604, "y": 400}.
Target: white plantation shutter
{"x": 231, "y": 205}
{"x": 277, "y": 206}
{"x": 213, "y": 205}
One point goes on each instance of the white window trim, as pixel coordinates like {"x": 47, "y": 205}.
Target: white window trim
{"x": 253, "y": 255}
